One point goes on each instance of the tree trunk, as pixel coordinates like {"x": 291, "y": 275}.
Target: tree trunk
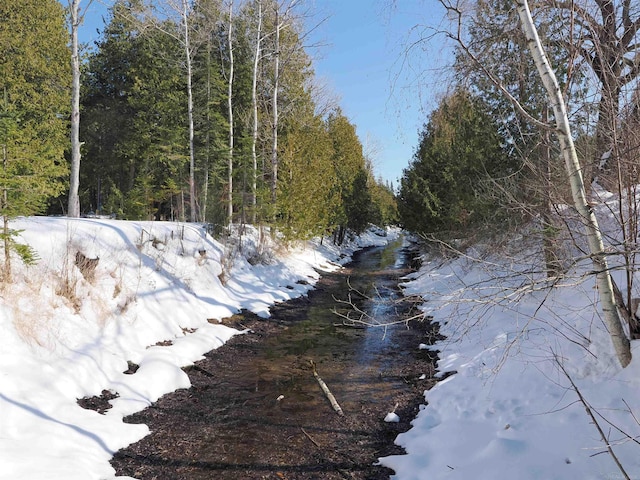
{"x": 192, "y": 168}
{"x": 205, "y": 183}
{"x": 603, "y": 279}
{"x": 230, "y": 117}
{"x": 274, "y": 101}
{"x": 254, "y": 104}
{"x": 73, "y": 209}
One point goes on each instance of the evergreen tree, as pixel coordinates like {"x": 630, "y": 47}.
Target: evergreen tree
{"x": 34, "y": 108}
{"x": 135, "y": 122}
{"x": 445, "y": 186}
{"x": 305, "y": 196}
{"x": 384, "y": 208}
{"x": 210, "y": 104}
{"x": 349, "y": 164}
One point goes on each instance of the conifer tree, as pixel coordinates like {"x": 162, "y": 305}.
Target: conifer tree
{"x": 34, "y": 105}
{"x": 459, "y": 150}
{"x": 349, "y": 164}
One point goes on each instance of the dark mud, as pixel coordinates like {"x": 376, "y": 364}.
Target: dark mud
{"x": 255, "y": 410}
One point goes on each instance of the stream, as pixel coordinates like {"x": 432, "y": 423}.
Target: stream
{"x": 255, "y": 410}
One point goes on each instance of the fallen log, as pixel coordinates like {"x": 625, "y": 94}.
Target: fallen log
{"x": 326, "y": 390}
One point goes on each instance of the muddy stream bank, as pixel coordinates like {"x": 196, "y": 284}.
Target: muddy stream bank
{"x": 255, "y": 410}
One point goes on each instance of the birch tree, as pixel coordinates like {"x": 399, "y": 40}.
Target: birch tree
{"x": 188, "y": 53}
{"x": 230, "y": 115}
{"x": 76, "y": 17}
{"x": 257, "y": 50}
{"x": 572, "y": 166}
{"x": 574, "y": 172}
{"x": 283, "y": 16}
{"x": 183, "y": 10}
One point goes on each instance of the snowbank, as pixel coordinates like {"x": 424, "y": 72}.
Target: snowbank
{"x": 508, "y": 410}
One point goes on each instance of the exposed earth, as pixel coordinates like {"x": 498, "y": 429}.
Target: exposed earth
{"x": 255, "y": 410}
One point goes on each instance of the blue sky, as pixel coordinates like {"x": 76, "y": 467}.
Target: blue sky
{"x": 362, "y": 62}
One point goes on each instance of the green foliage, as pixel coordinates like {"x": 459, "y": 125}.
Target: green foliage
{"x": 384, "y": 207}
{"x": 350, "y": 168}
{"x": 306, "y": 199}
{"x": 26, "y": 253}
{"x": 134, "y": 123}
{"x": 134, "y": 120}
{"x": 446, "y": 187}
{"x": 495, "y": 35}
{"x": 34, "y": 104}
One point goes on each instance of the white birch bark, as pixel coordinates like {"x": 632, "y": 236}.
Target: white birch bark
{"x": 192, "y": 169}
{"x": 254, "y": 104}
{"x": 574, "y": 172}
{"x": 73, "y": 208}
{"x": 274, "y": 101}
{"x": 230, "y": 116}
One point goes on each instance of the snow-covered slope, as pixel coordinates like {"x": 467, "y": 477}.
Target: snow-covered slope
{"x": 510, "y": 411}
{"x": 70, "y": 326}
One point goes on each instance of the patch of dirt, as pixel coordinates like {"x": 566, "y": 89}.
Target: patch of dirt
{"x": 232, "y": 425}
{"x": 99, "y": 403}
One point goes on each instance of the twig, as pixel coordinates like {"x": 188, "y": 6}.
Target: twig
{"x": 310, "y": 438}
{"x": 326, "y": 390}
{"x": 589, "y": 411}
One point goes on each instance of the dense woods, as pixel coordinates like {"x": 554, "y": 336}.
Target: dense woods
{"x": 488, "y": 155}
{"x": 194, "y": 111}
{"x": 208, "y": 111}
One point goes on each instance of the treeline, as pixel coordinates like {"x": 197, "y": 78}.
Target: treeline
{"x": 488, "y": 157}
{"x": 199, "y": 111}
{"x": 264, "y": 147}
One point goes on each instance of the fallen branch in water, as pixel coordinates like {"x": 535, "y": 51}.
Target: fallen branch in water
{"x": 326, "y": 390}
{"x": 357, "y": 316}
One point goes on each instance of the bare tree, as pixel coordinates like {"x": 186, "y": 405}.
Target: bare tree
{"x": 188, "y": 53}
{"x": 230, "y": 115}
{"x": 254, "y": 104}
{"x": 183, "y": 10}
{"x": 605, "y": 34}
{"x": 572, "y": 167}
{"x": 283, "y": 12}
{"x": 76, "y": 17}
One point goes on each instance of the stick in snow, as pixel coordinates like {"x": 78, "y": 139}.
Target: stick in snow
{"x": 326, "y": 390}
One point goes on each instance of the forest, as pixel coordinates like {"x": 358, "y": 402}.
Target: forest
{"x": 210, "y": 111}
{"x": 206, "y": 111}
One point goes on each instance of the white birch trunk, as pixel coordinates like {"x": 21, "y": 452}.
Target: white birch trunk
{"x": 574, "y": 172}
{"x": 254, "y": 104}
{"x": 73, "y": 209}
{"x": 205, "y": 186}
{"x": 192, "y": 168}
{"x": 274, "y": 101}
{"x": 230, "y": 116}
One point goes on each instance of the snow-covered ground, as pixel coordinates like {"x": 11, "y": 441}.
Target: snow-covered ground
{"x": 509, "y": 411}
{"x": 154, "y": 298}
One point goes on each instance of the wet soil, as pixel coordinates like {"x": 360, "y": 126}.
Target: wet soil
{"x": 255, "y": 410}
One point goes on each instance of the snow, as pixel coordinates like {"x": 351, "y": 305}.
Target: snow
{"x": 392, "y": 417}
{"x": 155, "y": 298}
{"x": 507, "y": 409}
{"x": 504, "y": 408}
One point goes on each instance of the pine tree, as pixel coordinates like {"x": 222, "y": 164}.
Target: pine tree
{"x": 135, "y": 121}
{"x": 349, "y": 164}
{"x": 34, "y": 106}
{"x": 459, "y": 152}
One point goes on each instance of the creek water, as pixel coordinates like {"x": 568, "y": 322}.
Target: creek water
{"x": 255, "y": 409}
